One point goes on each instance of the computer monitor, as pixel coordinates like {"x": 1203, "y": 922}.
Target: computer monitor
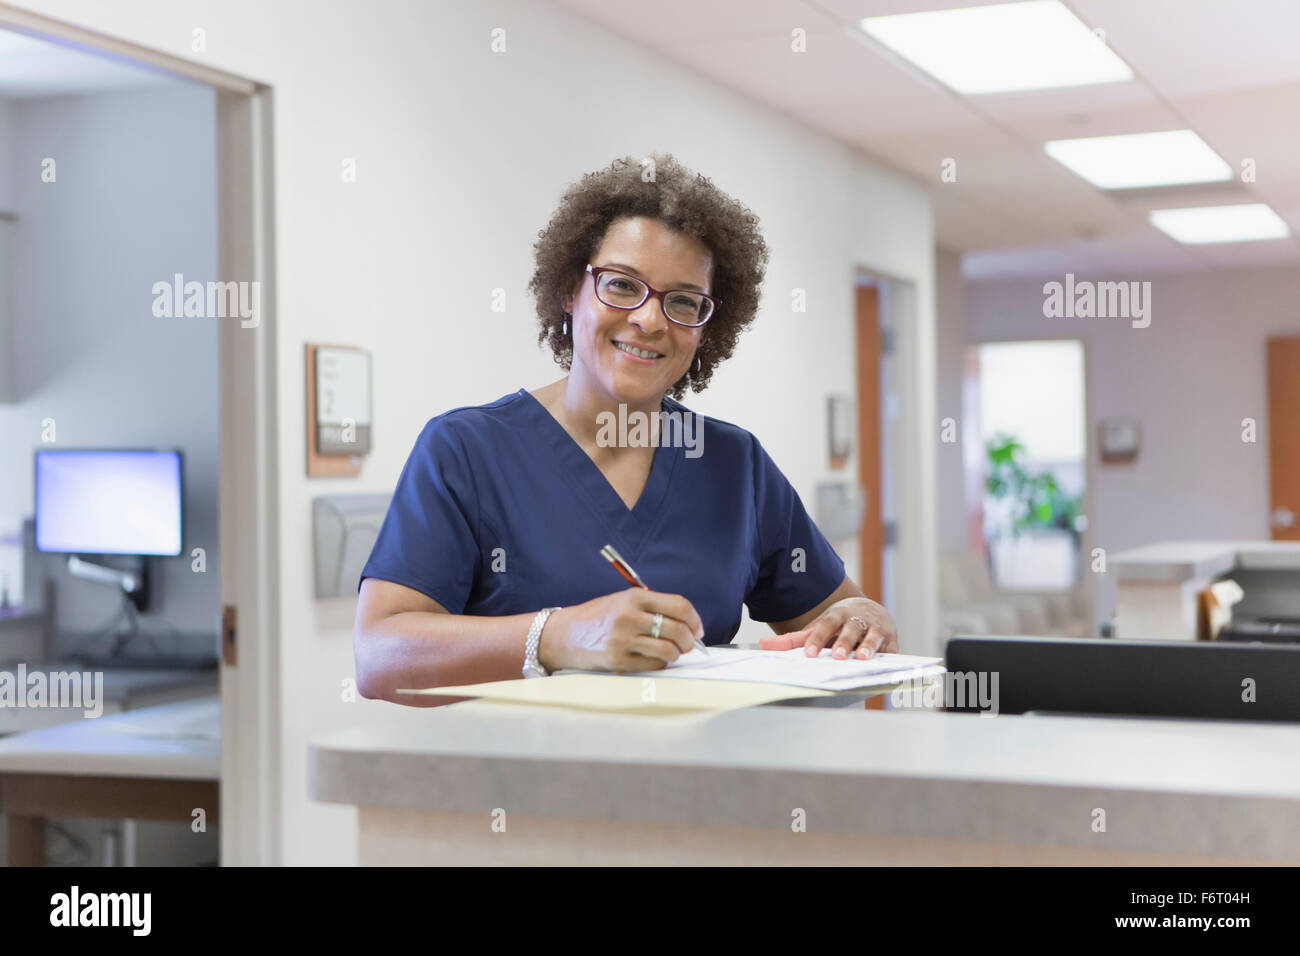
{"x": 108, "y": 501}
{"x": 1196, "y": 679}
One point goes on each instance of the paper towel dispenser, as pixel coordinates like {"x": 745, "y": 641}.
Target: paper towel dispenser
{"x": 344, "y": 528}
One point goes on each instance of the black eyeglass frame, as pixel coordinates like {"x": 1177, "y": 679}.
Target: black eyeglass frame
{"x": 651, "y": 293}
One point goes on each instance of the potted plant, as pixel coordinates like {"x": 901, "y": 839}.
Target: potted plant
{"x": 1028, "y": 505}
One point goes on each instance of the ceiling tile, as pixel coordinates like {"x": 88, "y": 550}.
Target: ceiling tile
{"x": 835, "y": 69}
{"x": 1106, "y": 110}
{"x": 923, "y": 112}
{"x": 1193, "y": 46}
{"x": 685, "y": 21}
{"x": 1262, "y": 125}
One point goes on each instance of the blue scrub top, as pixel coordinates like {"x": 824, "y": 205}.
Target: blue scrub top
{"x": 499, "y": 511}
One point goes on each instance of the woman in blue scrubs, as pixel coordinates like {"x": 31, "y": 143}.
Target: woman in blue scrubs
{"x": 488, "y": 561}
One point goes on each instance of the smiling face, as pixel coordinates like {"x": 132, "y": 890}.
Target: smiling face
{"x": 602, "y": 335}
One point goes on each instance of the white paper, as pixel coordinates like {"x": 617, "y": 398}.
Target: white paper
{"x": 796, "y": 668}
{"x": 342, "y": 386}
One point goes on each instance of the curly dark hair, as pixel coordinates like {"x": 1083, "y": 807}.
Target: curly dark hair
{"x": 684, "y": 201}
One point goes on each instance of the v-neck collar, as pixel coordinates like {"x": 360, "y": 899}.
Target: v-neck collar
{"x": 632, "y": 525}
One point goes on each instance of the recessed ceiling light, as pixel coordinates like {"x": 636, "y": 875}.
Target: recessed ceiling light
{"x": 1133, "y": 160}
{"x": 1203, "y": 224}
{"x": 1003, "y": 48}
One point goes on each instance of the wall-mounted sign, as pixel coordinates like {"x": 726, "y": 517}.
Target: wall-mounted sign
{"x": 338, "y": 409}
{"x": 1120, "y": 440}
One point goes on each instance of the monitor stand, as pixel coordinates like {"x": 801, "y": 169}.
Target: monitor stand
{"x": 134, "y": 583}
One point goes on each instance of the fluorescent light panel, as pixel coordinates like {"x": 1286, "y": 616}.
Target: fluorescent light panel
{"x": 1205, "y": 224}
{"x": 1133, "y": 160}
{"x": 1003, "y": 48}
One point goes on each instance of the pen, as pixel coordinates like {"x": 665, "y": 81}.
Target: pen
{"x": 632, "y": 578}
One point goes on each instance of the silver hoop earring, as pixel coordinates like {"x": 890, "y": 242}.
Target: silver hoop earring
{"x": 566, "y": 328}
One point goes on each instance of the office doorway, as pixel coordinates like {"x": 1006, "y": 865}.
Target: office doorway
{"x": 246, "y": 477}
{"x": 1029, "y": 466}
{"x": 1284, "y": 438}
{"x": 894, "y": 562}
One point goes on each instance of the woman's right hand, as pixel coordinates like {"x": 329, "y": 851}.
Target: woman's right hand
{"x": 612, "y": 633}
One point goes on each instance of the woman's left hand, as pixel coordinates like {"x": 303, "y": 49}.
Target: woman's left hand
{"x": 872, "y": 633}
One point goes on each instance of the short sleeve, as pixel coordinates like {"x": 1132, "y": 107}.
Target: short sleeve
{"x": 428, "y": 538}
{"x": 797, "y": 567}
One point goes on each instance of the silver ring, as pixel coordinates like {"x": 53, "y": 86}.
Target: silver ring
{"x": 865, "y": 626}
{"x": 657, "y": 625}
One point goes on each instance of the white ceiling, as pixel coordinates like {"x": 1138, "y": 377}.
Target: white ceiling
{"x": 32, "y": 69}
{"x": 1228, "y": 69}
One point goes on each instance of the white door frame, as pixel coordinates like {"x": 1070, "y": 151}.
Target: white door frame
{"x": 248, "y": 480}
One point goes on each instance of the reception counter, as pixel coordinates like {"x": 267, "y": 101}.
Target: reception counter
{"x": 481, "y": 782}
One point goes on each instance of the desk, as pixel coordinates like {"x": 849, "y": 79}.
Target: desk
{"x": 1158, "y": 585}
{"x": 124, "y": 688}
{"x": 157, "y": 763}
{"x": 880, "y": 788}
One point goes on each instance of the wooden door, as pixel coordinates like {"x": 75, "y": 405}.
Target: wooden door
{"x": 871, "y": 537}
{"x": 1284, "y": 438}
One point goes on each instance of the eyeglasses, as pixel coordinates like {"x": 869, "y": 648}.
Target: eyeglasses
{"x": 618, "y": 290}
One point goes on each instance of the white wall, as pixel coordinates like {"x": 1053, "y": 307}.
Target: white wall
{"x": 7, "y": 183}
{"x": 950, "y": 326}
{"x": 11, "y": 515}
{"x": 1190, "y": 379}
{"x": 133, "y": 202}
{"x": 461, "y": 155}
